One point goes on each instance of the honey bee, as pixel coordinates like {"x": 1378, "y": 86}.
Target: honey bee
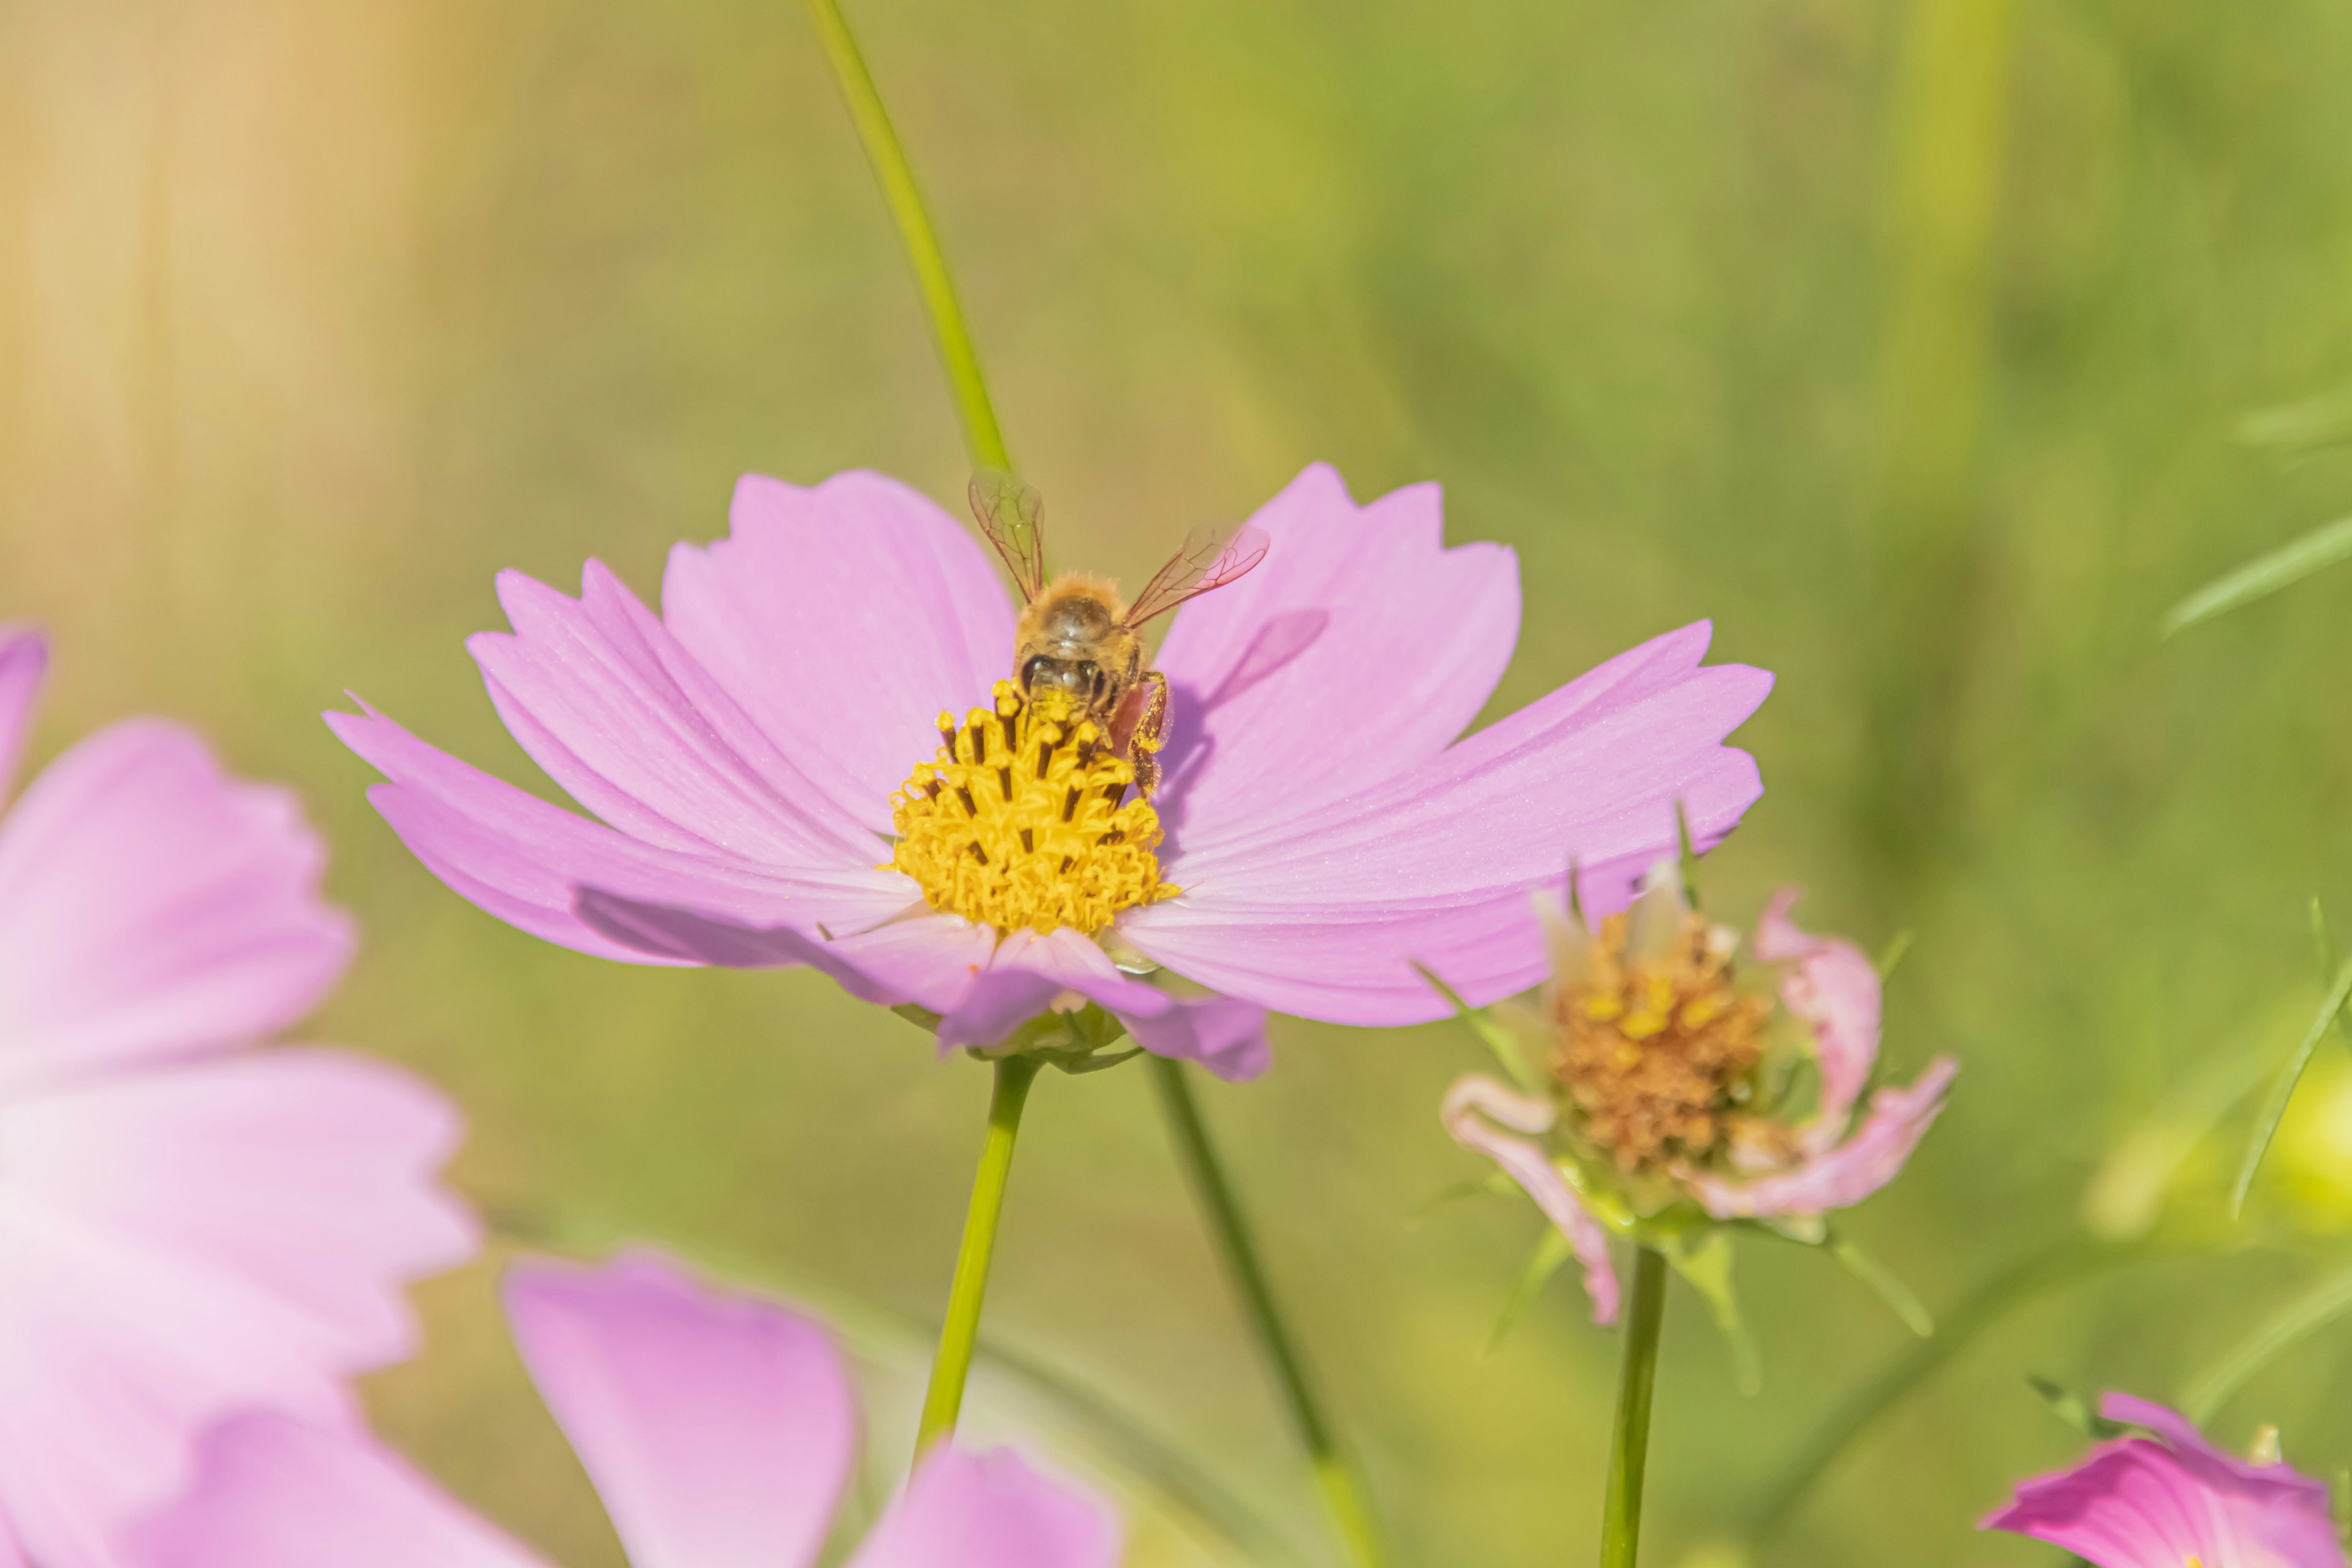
{"x": 1075, "y": 633}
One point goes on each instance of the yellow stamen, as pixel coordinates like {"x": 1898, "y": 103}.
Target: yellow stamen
{"x": 1023, "y": 821}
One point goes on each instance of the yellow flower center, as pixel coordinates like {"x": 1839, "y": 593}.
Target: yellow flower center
{"x": 1655, "y": 1051}
{"x": 1023, "y": 820}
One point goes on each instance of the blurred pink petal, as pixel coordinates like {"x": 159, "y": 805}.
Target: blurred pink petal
{"x": 1476, "y": 1101}
{"x": 190, "y": 1241}
{"x": 2163, "y": 1502}
{"x": 1359, "y": 648}
{"x": 1843, "y": 1175}
{"x": 844, "y": 618}
{"x": 1833, "y": 988}
{"x": 1325, "y": 915}
{"x": 719, "y": 1431}
{"x": 274, "y": 1492}
{"x": 990, "y": 1510}
{"x": 190, "y": 1229}
{"x": 151, "y": 907}
{"x": 23, "y": 662}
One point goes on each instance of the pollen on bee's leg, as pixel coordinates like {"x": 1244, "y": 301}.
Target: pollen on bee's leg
{"x": 1046, "y": 838}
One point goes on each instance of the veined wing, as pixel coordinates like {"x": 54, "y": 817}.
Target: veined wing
{"x": 1013, "y": 515}
{"x": 1212, "y": 557}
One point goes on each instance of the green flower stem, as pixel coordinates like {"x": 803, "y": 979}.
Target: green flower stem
{"x": 982, "y": 436}
{"x": 1343, "y": 1492}
{"x": 944, "y": 1399}
{"x": 1629, "y": 1449}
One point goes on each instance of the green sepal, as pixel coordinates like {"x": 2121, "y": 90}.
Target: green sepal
{"x": 1884, "y": 1285}
{"x": 1704, "y": 1258}
{"x": 1492, "y": 1035}
{"x": 2075, "y": 1410}
{"x": 1551, "y": 1250}
{"x": 1071, "y": 1041}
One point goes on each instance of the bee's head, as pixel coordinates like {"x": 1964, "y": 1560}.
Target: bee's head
{"x": 1083, "y": 679}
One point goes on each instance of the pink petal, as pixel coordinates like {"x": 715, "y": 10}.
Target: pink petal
{"x": 603, "y": 697}
{"x": 1028, "y": 972}
{"x": 990, "y": 1511}
{"x": 2138, "y": 1503}
{"x": 187, "y": 1242}
{"x": 310, "y": 1174}
{"x": 930, "y": 960}
{"x": 523, "y": 860}
{"x": 23, "y": 662}
{"x": 844, "y": 618}
{"x": 1848, "y": 1173}
{"x": 1835, "y": 989}
{"x": 720, "y": 1430}
{"x": 274, "y": 1492}
{"x": 1324, "y": 916}
{"x": 1471, "y": 1106}
{"x": 1359, "y": 648}
{"x": 150, "y": 906}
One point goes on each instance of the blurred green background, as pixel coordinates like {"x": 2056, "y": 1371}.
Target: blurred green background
{"x": 1908, "y": 339}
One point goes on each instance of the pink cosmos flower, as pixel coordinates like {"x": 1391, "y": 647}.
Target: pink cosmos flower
{"x": 755, "y": 750}
{"x": 1665, "y": 1083}
{"x": 2172, "y": 1500}
{"x": 190, "y": 1225}
{"x": 720, "y": 1431}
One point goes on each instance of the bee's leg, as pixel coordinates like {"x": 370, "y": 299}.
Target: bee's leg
{"x": 1147, "y": 730}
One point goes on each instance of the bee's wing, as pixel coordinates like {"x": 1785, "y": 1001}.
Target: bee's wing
{"x": 1212, "y": 557}
{"x": 1013, "y": 515}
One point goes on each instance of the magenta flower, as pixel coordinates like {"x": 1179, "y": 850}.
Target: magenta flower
{"x": 1665, "y": 1083}
{"x": 2172, "y": 1500}
{"x": 191, "y": 1225}
{"x": 720, "y": 1431}
{"x": 755, "y": 751}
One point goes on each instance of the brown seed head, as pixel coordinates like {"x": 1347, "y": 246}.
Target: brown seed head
{"x": 1657, "y": 1048}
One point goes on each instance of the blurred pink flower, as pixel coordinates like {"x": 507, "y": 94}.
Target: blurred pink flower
{"x": 2173, "y": 1499}
{"x": 720, "y": 1431}
{"x": 191, "y": 1226}
{"x": 1325, "y": 830}
{"x": 1663, "y": 1078}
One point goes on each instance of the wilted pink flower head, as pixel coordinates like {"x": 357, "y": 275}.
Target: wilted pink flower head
{"x": 2172, "y": 1500}
{"x": 720, "y": 1431}
{"x": 190, "y": 1225}
{"x": 781, "y": 776}
{"x": 1665, "y": 1081}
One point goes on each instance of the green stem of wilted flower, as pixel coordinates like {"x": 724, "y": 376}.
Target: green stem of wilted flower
{"x": 982, "y": 436}
{"x": 1343, "y": 1492}
{"x": 1629, "y": 1448}
{"x": 944, "y": 1399}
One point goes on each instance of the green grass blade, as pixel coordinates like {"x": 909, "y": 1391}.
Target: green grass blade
{"x": 2264, "y": 575}
{"x": 2305, "y": 1315}
{"x": 2267, "y": 1127}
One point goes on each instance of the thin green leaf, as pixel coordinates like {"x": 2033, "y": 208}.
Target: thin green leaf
{"x": 1686, "y": 857}
{"x": 1894, "y": 952}
{"x": 1482, "y": 1024}
{"x": 2266, "y": 1128}
{"x": 1552, "y": 1250}
{"x": 1491, "y": 1184}
{"x": 2314, "y": 421}
{"x": 1707, "y": 1267}
{"x": 2290, "y": 1325}
{"x": 2264, "y": 574}
{"x": 1888, "y": 1288}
